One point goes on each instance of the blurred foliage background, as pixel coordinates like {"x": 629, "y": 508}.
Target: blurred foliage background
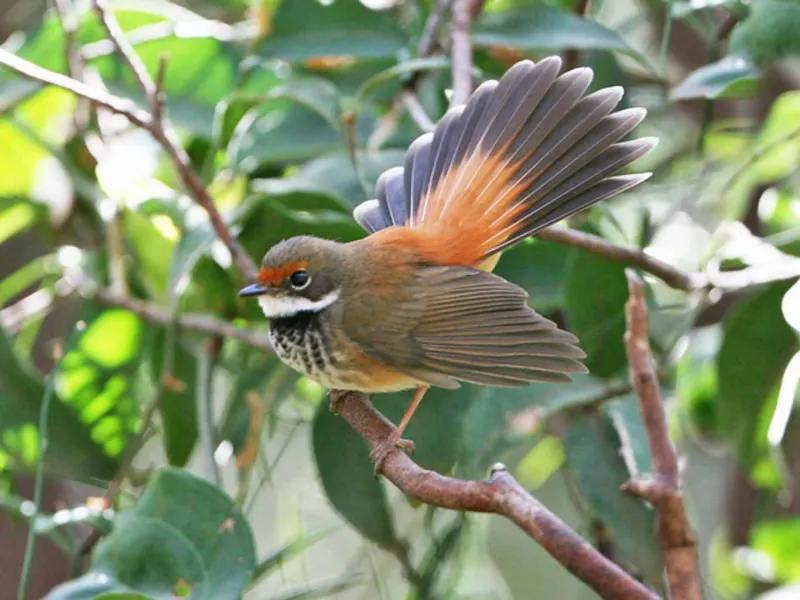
{"x": 289, "y": 111}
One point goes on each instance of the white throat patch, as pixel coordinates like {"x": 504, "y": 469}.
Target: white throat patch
{"x": 289, "y": 306}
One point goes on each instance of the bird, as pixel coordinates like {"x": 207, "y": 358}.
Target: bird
{"x": 414, "y": 303}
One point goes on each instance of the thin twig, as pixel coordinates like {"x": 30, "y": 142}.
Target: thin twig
{"x": 69, "y": 24}
{"x": 38, "y": 490}
{"x": 205, "y": 417}
{"x": 462, "y": 52}
{"x": 125, "y": 49}
{"x": 427, "y": 40}
{"x": 417, "y": 111}
{"x": 501, "y": 495}
{"x": 662, "y": 488}
{"x": 673, "y": 277}
{"x": 571, "y": 57}
{"x": 164, "y": 135}
{"x": 161, "y": 129}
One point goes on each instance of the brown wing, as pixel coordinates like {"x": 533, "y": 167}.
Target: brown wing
{"x": 458, "y": 323}
{"x": 523, "y": 153}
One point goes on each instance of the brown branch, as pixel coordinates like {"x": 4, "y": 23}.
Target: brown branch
{"x": 69, "y": 24}
{"x": 662, "y": 489}
{"x": 153, "y": 313}
{"x": 427, "y": 41}
{"x": 634, "y": 257}
{"x": 125, "y": 50}
{"x": 501, "y": 495}
{"x": 571, "y": 57}
{"x": 462, "y": 51}
{"x": 417, "y": 112}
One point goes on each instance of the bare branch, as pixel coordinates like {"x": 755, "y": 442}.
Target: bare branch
{"x": 417, "y": 111}
{"x": 634, "y": 257}
{"x": 501, "y": 495}
{"x": 462, "y": 51}
{"x": 662, "y": 489}
{"x": 154, "y": 313}
{"x": 125, "y": 49}
{"x": 427, "y": 41}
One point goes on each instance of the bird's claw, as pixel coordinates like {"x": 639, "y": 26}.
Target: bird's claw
{"x": 392, "y": 443}
{"x": 336, "y": 397}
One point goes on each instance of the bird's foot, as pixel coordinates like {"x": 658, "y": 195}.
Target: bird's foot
{"x": 336, "y": 397}
{"x": 389, "y": 445}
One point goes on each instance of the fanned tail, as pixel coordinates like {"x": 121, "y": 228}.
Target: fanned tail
{"x": 522, "y": 154}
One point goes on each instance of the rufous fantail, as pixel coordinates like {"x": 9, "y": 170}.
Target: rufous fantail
{"x": 414, "y": 303}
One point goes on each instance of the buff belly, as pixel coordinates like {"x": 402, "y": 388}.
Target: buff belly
{"x": 304, "y": 344}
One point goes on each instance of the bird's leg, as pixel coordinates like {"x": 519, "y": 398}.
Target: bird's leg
{"x": 394, "y": 441}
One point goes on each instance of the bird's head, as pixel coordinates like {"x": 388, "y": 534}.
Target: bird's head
{"x": 300, "y": 274}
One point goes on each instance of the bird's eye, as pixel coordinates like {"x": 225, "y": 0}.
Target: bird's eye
{"x": 300, "y": 279}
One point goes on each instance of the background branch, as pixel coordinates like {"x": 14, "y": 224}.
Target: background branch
{"x": 462, "y": 51}
{"x": 662, "y": 488}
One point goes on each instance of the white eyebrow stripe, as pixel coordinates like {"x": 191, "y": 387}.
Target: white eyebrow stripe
{"x": 289, "y": 306}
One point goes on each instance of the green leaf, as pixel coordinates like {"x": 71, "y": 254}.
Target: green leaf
{"x": 183, "y": 535}
{"x": 297, "y": 547}
{"x": 314, "y": 93}
{"x": 539, "y": 268}
{"x": 593, "y": 454}
{"x": 343, "y": 464}
{"x": 287, "y": 136}
{"x": 730, "y": 77}
{"x": 98, "y": 375}
{"x": 595, "y": 293}
{"x": 71, "y": 452}
{"x": 265, "y": 222}
{"x": 399, "y": 71}
{"x": 546, "y": 27}
{"x": 304, "y": 29}
{"x": 758, "y": 344}
{"x": 201, "y": 67}
{"x": 778, "y": 540}
{"x": 790, "y": 305}
{"x": 334, "y": 173}
{"x": 491, "y": 430}
{"x": 634, "y": 447}
{"x": 151, "y": 250}
{"x": 769, "y": 33}
{"x": 178, "y": 407}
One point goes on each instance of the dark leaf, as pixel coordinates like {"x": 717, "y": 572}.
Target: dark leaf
{"x": 539, "y": 268}
{"x": 595, "y": 293}
{"x": 546, "y": 27}
{"x": 594, "y": 458}
{"x": 758, "y": 344}
{"x": 348, "y": 479}
{"x": 305, "y": 29}
{"x": 183, "y": 535}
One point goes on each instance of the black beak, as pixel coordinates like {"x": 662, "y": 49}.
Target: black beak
{"x": 253, "y": 290}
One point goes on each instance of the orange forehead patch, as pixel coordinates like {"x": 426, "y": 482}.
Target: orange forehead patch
{"x": 280, "y": 274}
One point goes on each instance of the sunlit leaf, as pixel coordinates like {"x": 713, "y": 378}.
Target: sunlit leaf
{"x": 71, "y": 453}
